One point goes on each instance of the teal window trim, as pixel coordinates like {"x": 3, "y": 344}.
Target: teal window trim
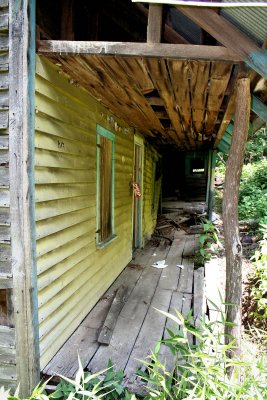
{"x": 100, "y": 131}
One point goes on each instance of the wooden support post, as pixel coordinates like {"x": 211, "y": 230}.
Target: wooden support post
{"x": 21, "y": 157}
{"x": 233, "y": 248}
{"x": 67, "y": 32}
{"x": 154, "y": 25}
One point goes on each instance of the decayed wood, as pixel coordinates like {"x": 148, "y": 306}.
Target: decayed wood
{"x": 219, "y": 78}
{"x": 110, "y": 321}
{"x": 160, "y": 50}
{"x": 7, "y": 337}
{"x": 233, "y": 246}
{"x": 154, "y": 24}
{"x": 131, "y": 318}
{"x": 199, "y": 306}
{"x": 226, "y": 33}
{"x": 22, "y": 62}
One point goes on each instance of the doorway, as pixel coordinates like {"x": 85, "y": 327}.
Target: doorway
{"x": 138, "y": 191}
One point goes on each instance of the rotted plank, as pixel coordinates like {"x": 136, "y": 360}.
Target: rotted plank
{"x": 114, "y": 311}
{"x": 117, "y": 73}
{"x": 134, "y": 66}
{"x": 166, "y": 357}
{"x": 199, "y": 88}
{"x": 180, "y": 73}
{"x": 151, "y": 332}
{"x": 219, "y": 78}
{"x": 159, "y": 75}
{"x": 130, "y": 319}
{"x": 7, "y": 337}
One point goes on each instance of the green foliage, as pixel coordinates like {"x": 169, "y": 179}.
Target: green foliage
{"x": 253, "y": 192}
{"x": 92, "y": 386}
{"x": 256, "y": 147}
{"x": 207, "y": 238}
{"x": 259, "y": 291}
{"x": 202, "y": 369}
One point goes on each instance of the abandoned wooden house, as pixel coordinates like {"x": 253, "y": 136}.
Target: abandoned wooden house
{"x": 105, "y": 108}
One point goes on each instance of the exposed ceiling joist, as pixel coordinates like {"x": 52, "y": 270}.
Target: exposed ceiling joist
{"x": 158, "y": 50}
{"x": 231, "y": 37}
{"x": 154, "y": 23}
{"x": 169, "y": 34}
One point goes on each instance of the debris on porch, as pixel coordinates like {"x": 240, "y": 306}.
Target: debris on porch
{"x": 124, "y": 326}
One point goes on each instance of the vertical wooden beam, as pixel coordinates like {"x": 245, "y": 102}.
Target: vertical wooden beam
{"x": 233, "y": 246}
{"x": 67, "y": 20}
{"x": 211, "y": 182}
{"x": 154, "y": 24}
{"x": 21, "y": 150}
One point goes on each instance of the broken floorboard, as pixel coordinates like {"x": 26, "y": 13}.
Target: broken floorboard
{"x": 138, "y": 325}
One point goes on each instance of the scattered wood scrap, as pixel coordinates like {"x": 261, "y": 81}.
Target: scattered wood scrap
{"x": 111, "y": 319}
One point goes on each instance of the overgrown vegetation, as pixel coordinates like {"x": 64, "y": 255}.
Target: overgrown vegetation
{"x": 201, "y": 364}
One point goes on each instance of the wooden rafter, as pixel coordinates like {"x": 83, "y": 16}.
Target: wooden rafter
{"x": 230, "y": 36}
{"x": 160, "y": 50}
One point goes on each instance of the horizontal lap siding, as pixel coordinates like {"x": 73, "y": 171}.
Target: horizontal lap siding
{"x": 72, "y": 272}
{"x": 151, "y": 192}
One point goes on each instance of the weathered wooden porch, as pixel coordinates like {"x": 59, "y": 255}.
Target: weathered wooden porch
{"x": 126, "y": 316}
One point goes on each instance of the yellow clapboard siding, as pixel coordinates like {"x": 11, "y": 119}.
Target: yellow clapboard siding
{"x": 63, "y": 191}
{"x": 50, "y": 73}
{"x": 72, "y": 272}
{"x": 53, "y": 208}
{"x": 50, "y": 275}
{"x": 56, "y": 94}
{"x": 50, "y": 226}
{"x": 47, "y": 125}
{"x": 62, "y": 145}
{"x": 45, "y": 158}
{"x": 52, "y": 242}
{"x": 64, "y": 287}
{"x": 62, "y": 253}
{"x": 76, "y": 307}
{"x": 44, "y": 175}
{"x": 58, "y": 112}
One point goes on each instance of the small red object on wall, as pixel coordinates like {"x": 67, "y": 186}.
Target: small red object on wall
{"x": 136, "y": 188}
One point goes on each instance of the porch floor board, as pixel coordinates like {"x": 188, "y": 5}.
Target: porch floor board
{"x": 138, "y": 325}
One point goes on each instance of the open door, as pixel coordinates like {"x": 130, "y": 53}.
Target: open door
{"x": 137, "y": 193}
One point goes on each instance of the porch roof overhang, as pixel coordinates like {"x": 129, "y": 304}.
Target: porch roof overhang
{"x": 173, "y": 93}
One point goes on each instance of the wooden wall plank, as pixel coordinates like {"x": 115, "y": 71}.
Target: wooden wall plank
{"x": 72, "y": 272}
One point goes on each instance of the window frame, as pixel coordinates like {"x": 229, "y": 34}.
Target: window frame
{"x": 103, "y": 132}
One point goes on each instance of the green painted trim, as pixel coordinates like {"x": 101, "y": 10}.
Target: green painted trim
{"x": 259, "y": 108}
{"x": 211, "y": 186}
{"x": 100, "y": 131}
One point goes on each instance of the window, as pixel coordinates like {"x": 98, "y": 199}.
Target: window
{"x": 105, "y": 186}
{"x": 197, "y": 166}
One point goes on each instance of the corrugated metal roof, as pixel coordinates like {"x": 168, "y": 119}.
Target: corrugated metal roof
{"x": 252, "y": 21}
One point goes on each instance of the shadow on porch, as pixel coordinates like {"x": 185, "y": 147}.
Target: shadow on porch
{"x": 124, "y": 325}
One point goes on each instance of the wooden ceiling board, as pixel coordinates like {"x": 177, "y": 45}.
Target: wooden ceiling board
{"x": 110, "y": 93}
{"x": 218, "y": 82}
{"x": 180, "y": 75}
{"x": 158, "y": 71}
{"x": 135, "y": 67}
{"x": 173, "y": 101}
{"x": 127, "y": 82}
{"x": 199, "y": 85}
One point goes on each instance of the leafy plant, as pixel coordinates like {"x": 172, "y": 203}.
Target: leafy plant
{"x": 259, "y": 291}
{"x": 207, "y": 238}
{"x": 202, "y": 363}
{"x": 105, "y": 384}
